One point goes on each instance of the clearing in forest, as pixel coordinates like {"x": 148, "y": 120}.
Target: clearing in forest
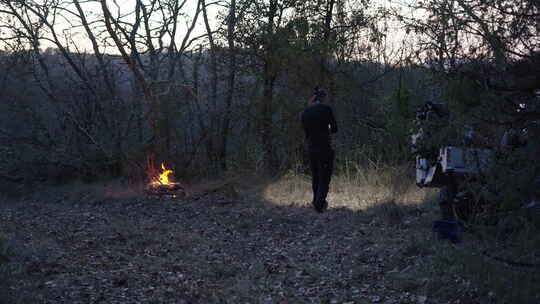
{"x": 227, "y": 246}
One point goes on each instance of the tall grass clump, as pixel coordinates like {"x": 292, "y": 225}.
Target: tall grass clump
{"x": 354, "y": 186}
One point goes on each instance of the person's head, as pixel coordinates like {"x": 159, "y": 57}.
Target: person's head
{"x": 319, "y": 95}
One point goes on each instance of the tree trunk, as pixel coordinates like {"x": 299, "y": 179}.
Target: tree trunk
{"x": 266, "y": 121}
{"x": 325, "y": 79}
{"x": 269, "y": 77}
{"x": 230, "y": 90}
{"x": 213, "y": 121}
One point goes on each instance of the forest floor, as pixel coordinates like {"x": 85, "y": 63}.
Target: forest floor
{"x": 85, "y": 245}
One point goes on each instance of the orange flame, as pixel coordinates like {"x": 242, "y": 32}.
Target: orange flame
{"x": 163, "y": 178}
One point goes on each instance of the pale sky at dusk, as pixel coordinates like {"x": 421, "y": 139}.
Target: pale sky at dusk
{"x": 69, "y": 27}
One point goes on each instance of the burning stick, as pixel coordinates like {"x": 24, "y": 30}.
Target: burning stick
{"x": 161, "y": 185}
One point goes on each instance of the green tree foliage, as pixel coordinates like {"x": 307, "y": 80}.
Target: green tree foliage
{"x": 486, "y": 54}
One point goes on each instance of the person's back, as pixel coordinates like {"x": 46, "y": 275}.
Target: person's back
{"x": 316, "y": 120}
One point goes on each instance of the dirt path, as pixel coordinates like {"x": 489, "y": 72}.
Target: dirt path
{"x": 208, "y": 250}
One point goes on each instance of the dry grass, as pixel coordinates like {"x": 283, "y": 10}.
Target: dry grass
{"x": 358, "y": 190}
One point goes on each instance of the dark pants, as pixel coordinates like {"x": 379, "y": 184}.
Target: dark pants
{"x": 446, "y": 201}
{"x": 322, "y": 165}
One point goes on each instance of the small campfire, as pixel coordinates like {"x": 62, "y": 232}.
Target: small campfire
{"x": 162, "y": 186}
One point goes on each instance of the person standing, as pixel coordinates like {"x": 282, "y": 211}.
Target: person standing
{"x": 318, "y": 122}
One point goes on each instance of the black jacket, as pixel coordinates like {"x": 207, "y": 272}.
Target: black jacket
{"x": 318, "y": 121}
